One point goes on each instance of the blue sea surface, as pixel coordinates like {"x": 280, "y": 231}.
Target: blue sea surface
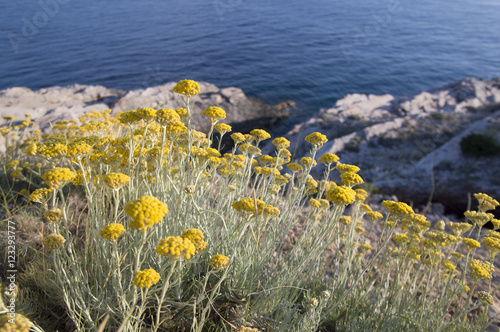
{"x": 313, "y": 52}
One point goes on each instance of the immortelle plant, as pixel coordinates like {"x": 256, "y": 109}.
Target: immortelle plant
{"x": 178, "y": 237}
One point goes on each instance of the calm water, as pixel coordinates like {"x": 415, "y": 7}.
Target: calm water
{"x": 313, "y": 52}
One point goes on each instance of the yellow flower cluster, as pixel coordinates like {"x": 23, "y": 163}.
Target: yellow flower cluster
{"x": 478, "y": 218}
{"x": 53, "y": 241}
{"x": 341, "y": 194}
{"x": 40, "y": 195}
{"x": 493, "y": 245}
{"x": 308, "y": 162}
{"x": 12, "y": 164}
{"x": 21, "y": 323}
{"x": 146, "y": 113}
{"x": 214, "y": 113}
{"x": 222, "y": 128}
{"x": 188, "y": 88}
{"x": 328, "y": 158}
{"x": 78, "y": 149}
{"x": 196, "y": 237}
{"x": 51, "y": 150}
{"x": 57, "y": 177}
{"x": 295, "y": 167}
{"x": 174, "y": 247}
{"x": 52, "y": 216}
{"x": 448, "y": 265}
{"x": 219, "y": 262}
{"x": 316, "y": 140}
{"x": 397, "y": 208}
{"x": 485, "y": 297}
{"x": 146, "y": 278}
{"x": 486, "y": 203}
{"x": 480, "y": 269}
{"x": 115, "y": 180}
{"x": 342, "y": 168}
{"x": 351, "y": 178}
{"x": 112, "y": 231}
{"x": 167, "y": 116}
{"x": 459, "y": 228}
{"x": 247, "y": 329}
{"x": 260, "y": 135}
{"x": 374, "y": 215}
{"x": 145, "y": 212}
{"x": 471, "y": 244}
{"x": 281, "y": 143}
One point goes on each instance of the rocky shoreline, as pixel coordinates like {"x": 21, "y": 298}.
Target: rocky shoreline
{"x": 407, "y": 146}
{"x": 410, "y": 146}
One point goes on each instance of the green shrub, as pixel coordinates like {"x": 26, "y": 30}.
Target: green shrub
{"x": 479, "y": 145}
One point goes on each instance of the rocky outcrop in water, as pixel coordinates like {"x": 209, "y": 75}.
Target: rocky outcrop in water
{"x": 410, "y": 146}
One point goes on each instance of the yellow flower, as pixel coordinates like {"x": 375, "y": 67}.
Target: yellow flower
{"x": 485, "y": 297}
{"x": 342, "y": 168}
{"x": 478, "y": 218}
{"x": 493, "y": 245}
{"x": 345, "y": 220}
{"x": 196, "y": 237}
{"x": 146, "y": 278}
{"x": 359, "y": 230}
{"x": 308, "y": 162}
{"x": 147, "y": 114}
{"x": 18, "y": 323}
{"x": 328, "y": 158}
{"x": 145, "y": 212}
{"x": 471, "y": 244}
{"x": 316, "y": 139}
{"x": 188, "y": 88}
{"x": 480, "y": 269}
{"x": 397, "y": 208}
{"x": 174, "y": 247}
{"x": 52, "y": 216}
{"x": 247, "y": 329}
{"x": 32, "y": 149}
{"x": 214, "y": 113}
{"x": 295, "y": 167}
{"x": 53, "y": 241}
{"x": 400, "y": 238}
{"x": 238, "y": 138}
{"x": 219, "y": 262}
{"x": 128, "y": 118}
{"x": 166, "y": 116}
{"x": 361, "y": 194}
{"x": 374, "y": 215}
{"x": 77, "y": 149}
{"x": 341, "y": 194}
{"x": 281, "y": 143}
{"x": 314, "y": 203}
{"x": 459, "y": 228}
{"x": 8, "y": 118}
{"x": 247, "y": 204}
{"x": 51, "y": 150}
{"x": 448, "y": 265}
{"x": 58, "y": 176}
{"x": 260, "y": 135}
{"x": 222, "y": 128}
{"x": 41, "y": 195}
{"x": 183, "y": 112}
{"x": 12, "y": 164}
{"x": 115, "y": 180}
{"x": 351, "y": 178}
{"x": 486, "y": 202}
{"x": 112, "y": 231}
